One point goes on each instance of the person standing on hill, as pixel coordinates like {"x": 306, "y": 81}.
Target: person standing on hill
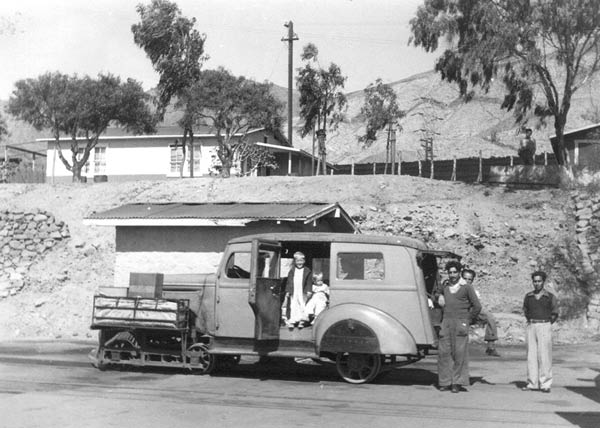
{"x": 527, "y": 148}
{"x": 541, "y": 311}
{"x": 460, "y": 305}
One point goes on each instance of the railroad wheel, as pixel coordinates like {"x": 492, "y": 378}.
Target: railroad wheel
{"x": 358, "y": 368}
{"x": 199, "y": 359}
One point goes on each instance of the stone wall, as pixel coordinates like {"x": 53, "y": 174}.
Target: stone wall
{"x": 587, "y": 215}
{"x": 24, "y": 237}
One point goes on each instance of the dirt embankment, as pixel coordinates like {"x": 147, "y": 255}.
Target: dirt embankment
{"x": 503, "y": 234}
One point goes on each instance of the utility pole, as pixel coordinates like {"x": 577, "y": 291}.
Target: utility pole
{"x": 290, "y": 39}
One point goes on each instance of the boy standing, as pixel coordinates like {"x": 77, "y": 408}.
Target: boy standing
{"x": 298, "y": 290}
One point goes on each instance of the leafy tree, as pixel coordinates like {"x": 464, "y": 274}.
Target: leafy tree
{"x": 543, "y": 51}
{"x": 381, "y": 111}
{"x": 176, "y": 51}
{"x": 322, "y": 103}
{"x": 232, "y": 106}
{"x": 81, "y": 108}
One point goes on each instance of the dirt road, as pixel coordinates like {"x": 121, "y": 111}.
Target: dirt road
{"x": 49, "y": 384}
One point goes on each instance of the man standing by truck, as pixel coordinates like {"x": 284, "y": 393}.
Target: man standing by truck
{"x": 541, "y": 311}
{"x": 460, "y": 305}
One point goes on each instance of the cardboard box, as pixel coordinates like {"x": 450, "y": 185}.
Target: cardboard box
{"x": 145, "y": 285}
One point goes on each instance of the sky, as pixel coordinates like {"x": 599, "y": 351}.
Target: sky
{"x": 368, "y": 39}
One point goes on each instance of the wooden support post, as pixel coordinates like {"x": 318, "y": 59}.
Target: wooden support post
{"x": 546, "y": 158}
{"x": 512, "y": 163}
{"x": 453, "y": 178}
{"x": 400, "y": 162}
{"x": 420, "y": 167}
{"x": 576, "y": 153}
{"x": 431, "y": 174}
{"x": 331, "y": 171}
{"x": 480, "y": 174}
{"x": 374, "y": 166}
{"x": 352, "y": 168}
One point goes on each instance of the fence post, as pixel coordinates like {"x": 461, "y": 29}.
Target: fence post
{"x": 419, "y": 167}
{"x": 512, "y": 162}
{"x": 374, "y": 166}
{"x": 352, "y": 168}
{"x": 480, "y": 174}
{"x": 453, "y": 178}
{"x": 431, "y": 174}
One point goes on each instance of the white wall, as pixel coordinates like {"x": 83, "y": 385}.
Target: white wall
{"x": 138, "y": 156}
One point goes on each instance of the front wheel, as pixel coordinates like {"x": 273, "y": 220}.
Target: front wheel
{"x": 358, "y": 368}
{"x": 199, "y": 359}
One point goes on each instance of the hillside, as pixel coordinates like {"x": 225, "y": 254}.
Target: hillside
{"x": 464, "y": 128}
{"x": 502, "y": 234}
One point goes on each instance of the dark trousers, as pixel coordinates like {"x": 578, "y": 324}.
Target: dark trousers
{"x": 453, "y": 352}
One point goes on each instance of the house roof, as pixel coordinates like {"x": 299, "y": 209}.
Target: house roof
{"x": 117, "y": 133}
{"x": 215, "y": 214}
{"x": 285, "y": 149}
{"x": 575, "y": 131}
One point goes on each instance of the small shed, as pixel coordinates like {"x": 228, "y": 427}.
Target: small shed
{"x": 188, "y": 238}
{"x": 583, "y": 146}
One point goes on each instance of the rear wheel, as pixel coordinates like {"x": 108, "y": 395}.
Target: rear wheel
{"x": 358, "y": 368}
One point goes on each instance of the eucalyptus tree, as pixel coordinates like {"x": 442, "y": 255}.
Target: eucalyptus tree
{"x": 232, "y": 106}
{"x": 381, "y": 111}
{"x": 543, "y": 51}
{"x": 322, "y": 103}
{"x": 176, "y": 50}
{"x": 81, "y": 109}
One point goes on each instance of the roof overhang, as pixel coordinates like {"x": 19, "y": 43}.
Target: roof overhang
{"x": 161, "y": 219}
{"x": 146, "y": 136}
{"x": 289, "y": 149}
{"x": 575, "y": 131}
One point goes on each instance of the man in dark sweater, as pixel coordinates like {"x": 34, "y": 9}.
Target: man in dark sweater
{"x": 541, "y": 311}
{"x": 460, "y": 305}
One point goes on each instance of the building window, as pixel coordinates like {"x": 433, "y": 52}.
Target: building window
{"x": 177, "y": 159}
{"x": 100, "y": 160}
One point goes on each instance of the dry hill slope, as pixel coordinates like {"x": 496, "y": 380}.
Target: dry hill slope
{"x": 502, "y": 234}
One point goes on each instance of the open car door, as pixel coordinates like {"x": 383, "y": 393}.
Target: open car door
{"x": 264, "y": 294}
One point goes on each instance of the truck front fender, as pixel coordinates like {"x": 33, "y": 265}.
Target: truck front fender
{"x": 354, "y": 327}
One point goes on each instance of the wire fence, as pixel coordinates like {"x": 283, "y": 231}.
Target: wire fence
{"x": 468, "y": 170}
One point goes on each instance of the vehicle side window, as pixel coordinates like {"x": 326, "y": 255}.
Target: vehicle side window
{"x": 238, "y": 265}
{"x": 360, "y": 266}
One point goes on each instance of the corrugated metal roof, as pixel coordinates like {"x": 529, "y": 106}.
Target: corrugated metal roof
{"x": 217, "y": 211}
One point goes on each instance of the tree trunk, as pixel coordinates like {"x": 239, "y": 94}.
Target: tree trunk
{"x": 76, "y": 169}
{"x": 226, "y": 164}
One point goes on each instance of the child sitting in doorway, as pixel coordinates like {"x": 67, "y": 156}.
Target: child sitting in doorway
{"x": 319, "y": 299}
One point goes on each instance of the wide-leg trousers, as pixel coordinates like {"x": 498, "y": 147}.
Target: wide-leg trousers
{"x": 453, "y": 352}
{"x": 539, "y": 355}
